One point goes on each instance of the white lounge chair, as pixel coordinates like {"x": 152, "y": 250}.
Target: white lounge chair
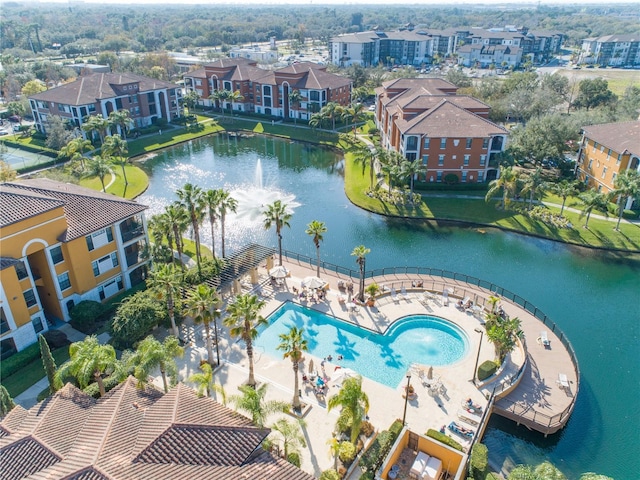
{"x": 563, "y": 381}
{"x": 394, "y": 294}
{"x": 543, "y": 339}
{"x": 403, "y": 293}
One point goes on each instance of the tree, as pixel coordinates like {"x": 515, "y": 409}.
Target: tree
{"x": 16, "y": 108}
{"x": 361, "y": 252}
{"x": 625, "y": 186}
{"x": 88, "y": 361}
{"x": 543, "y": 138}
{"x": 32, "y": 87}
{"x": 628, "y": 106}
{"x": 365, "y": 155}
{"x": 292, "y": 345}
{"x": 534, "y": 185}
{"x": 74, "y": 150}
{"x": 502, "y": 332}
{"x": 201, "y": 305}
{"x": 95, "y": 124}
{"x": 593, "y": 200}
{"x": 57, "y": 133}
{"x": 122, "y": 119}
{"x": 151, "y": 354}
{"x": 117, "y": 149}
{"x": 7, "y": 174}
{"x": 352, "y": 115}
{"x": 177, "y": 218}
{"x": 316, "y": 229}
{"x": 243, "y": 320}
{"x": 164, "y": 279}
{"x": 234, "y": 97}
{"x": 277, "y": 214}
{"x": 211, "y": 199}
{"x": 564, "y": 189}
{"x": 409, "y": 169}
{"x": 6, "y": 402}
{"x": 354, "y": 404}
{"x": 507, "y": 182}
{"x": 98, "y": 166}
{"x": 252, "y": 402}
{"x": 458, "y": 78}
{"x": 227, "y": 204}
{"x": 135, "y": 317}
{"x": 594, "y": 93}
{"x": 219, "y": 96}
{"x": 291, "y": 435}
{"x": 190, "y": 100}
{"x": 331, "y": 111}
{"x": 192, "y": 198}
{"x": 49, "y": 364}
{"x": 295, "y": 97}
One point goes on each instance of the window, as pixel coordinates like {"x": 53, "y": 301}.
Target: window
{"x": 21, "y": 270}
{"x": 590, "y": 164}
{"x": 425, "y": 160}
{"x": 469, "y": 140}
{"x": 619, "y": 158}
{"x": 105, "y": 264}
{"x": 480, "y": 177}
{"x": 427, "y": 142}
{"x": 483, "y": 160}
{"x": 464, "y": 176}
{"x": 110, "y": 288}
{"x": 7, "y": 348}
{"x": 466, "y": 160}
{"x": 443, "y": 143}
{"x": 56, "y": 255}
{"x": 63, "y": 281}
{"x": 440, "y": 160}
{"x": 608, "y": 154}
{"x": 485, "y": 143}
{"x": 29, "y": 297}
{"x": 37, "y": 324}
{"x": 266, "y": 91}
{"x": 4, "y": 324}
{"x": 604, "y": 172}
{"x": 412, "y": 142}
{"x": 439, "y": 176}
{"x": 99, "y": 238}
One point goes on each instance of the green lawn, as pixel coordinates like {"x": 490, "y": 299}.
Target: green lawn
{"x": 172, "y": 136}
{"x": 32, "y": 372}
{"x": 137, "y": 178}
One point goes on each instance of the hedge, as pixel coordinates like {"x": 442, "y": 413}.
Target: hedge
{"x": 19, "y": 360}
{"x": 444, "y": 438}
{"x": 486, "y": 369}
{"x": 30, "y": 148}
{"x": 109, "y": 383}
{"x": 379, "y": 448}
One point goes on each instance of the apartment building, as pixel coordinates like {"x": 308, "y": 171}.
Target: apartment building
{"x": 267, "y": 91}
{"x": 146, "y": 99}
{"x": 451, "y": 134}
{"x": 61, "y": 244}
{"x": 611, "y": 51}
{"x": 606, "y": 150}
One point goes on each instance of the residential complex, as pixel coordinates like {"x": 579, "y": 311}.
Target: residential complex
{"x": 611, "y": 51}
{"x": 147, "y": 99}
{"x": 451, "y": 134}
{"x": 268, "y": 91}
{"x": 62, "y": 244}
{"x": 473, "y": 47}
{"x": 605, "y": 151}
{"x": 136, "y": 433}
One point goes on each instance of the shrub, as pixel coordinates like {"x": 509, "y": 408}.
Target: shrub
{"x": 479, "y": 460}
{"x": 85, "y": 315}
{"x": 55, "y": 338}
{"x": 444, "y": 438}
{"x": 486, "y": 369}
{"x": 395, "y": 429}
{"x": 366, "y": 429}
{"x": 346, "y": 452}
{"x": 330, "y": 474}
{"x": 294, "y": 459}
{"x": 109, "y": 383}
{"x": 135, "y": 318}
{"x": 451, "y": 179}
{"x": 18, "y": 360}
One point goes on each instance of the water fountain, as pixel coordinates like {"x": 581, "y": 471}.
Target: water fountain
{"x": 253, "y": 199}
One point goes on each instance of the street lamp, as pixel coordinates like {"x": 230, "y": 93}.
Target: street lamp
{"x": 216, "y": 314}
{"x": 406, "y": 400}
{"x": 475, "y": 369}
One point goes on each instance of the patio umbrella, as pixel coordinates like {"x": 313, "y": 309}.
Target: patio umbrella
{"x": 341, "y": 374}
{"x": 310, "y": 369}
{"x": 278, "y": 272}
{"x": 430, "y": 373}
{"x": 313, "y": 282}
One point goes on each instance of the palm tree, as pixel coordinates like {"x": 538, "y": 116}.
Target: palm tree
{"x": 502, "y": 332}
{"x": 117, "y": 149}
{"x": 227, "y": 204}
{"x": 201, "y": 304}
{"x": 75, "y": 149}
{"x": 507, "y": 181}
{"x": 204, "y": 383}
{"x": 98, "y": 167}
{"x": 190, "y": 100}
{"x": 360, "y": 252}
{"x": 593, "y": 200}
{"x": 120, "y": 118}
{"x": 409, "y": 169}
{"x": 166, "y": 281}
{"x": 177, "y": 219}
{"x": 95, "y": 124}
{"x": 291, "y": 435}
{"x": 353, "y": 114}
{"x": 88, "y": 361}
{"x": 243, "y": 320}
{"x": 295, "y": 97}
{"x": 365, "y": 155}
{"x": 316, "y": 229}
{"x": 534, "y": 185}
{"x": 331, "y": 111}
{"x": 219, "y": 96}
{"x": 234, "y": 97}
{"x": 211, "y": 200}
{"x": 192, "y": 199}
{"x": 316, "y": 120}
{"x": 252, "y": 401}
{"x": 354, "y": 403}
{"x": 564, "y": 189}
{"x": 292, "y": 345}
{"x": 625, "y": 186}
{"x": 277, "y": 214}
{"x": 151, "y": 354}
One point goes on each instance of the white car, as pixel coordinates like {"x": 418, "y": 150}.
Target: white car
{"x": 372, "y": 108}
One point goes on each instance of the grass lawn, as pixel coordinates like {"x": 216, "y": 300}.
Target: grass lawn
{"x": 31, "y": 373}
{"x": 137, "y": 178}
{"x": 301, "y": 133}
{"x": 617, "y": 79}
{"x": 172, "y": 136}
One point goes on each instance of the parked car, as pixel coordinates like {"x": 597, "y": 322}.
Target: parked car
{"x": 14, "y": 118}
{"x": 372, "y": 108}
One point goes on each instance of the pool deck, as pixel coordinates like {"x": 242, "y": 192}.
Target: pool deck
{"x": 537, "y": 401}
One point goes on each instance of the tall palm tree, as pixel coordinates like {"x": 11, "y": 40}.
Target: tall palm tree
{"x": 409, "y": 169}
{"x": 361, "y": 252}
{"x": 74, "y": 150}
{"x": 204, "y": 383}
{"x": 353, "y": 114}
{"x": 151, "y": 354}
{"x": 243, "y": 320}
{"x": 252, "y": 401}
{"x": 316, "y": 229}
{"x": 201, "y": 304}
{"x": 564, "y": 189}
{"x": 95, "y": 124}
{"x": 117, "y": 149}
{"x": 177, "y": 219}
{"x": 593, "y": 200}
{"x": 277, "y": 214}
{"x": 227, "y": 204}
{"x": 234, "y": 97}
{"x": 331, "y": 111}
{"x": 291, "y": 435}
{"x": 316, "y": 120}
{"x": 165, "y": 280}
{"x": 366, "y": 156}
{"x": 120, "y": 118}
{"x": 211, "y": 200}
{"x": 88, "y": 361}
{"x": 626, "y": 185}
{"x": 219, "y": 96}
{"x": 534, "y": 185}
{"x": 507, "y": 181}
{"x": 295, "y": 97}
{"x": 192, "y": 198}
{"x": 292, "y": 345}
{"x": 98, "y": 167}
{"x": 354, "y": 403}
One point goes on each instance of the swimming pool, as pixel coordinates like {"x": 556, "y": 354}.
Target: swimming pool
{"x": 384, "y": 358}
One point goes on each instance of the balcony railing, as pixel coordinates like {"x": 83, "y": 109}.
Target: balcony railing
{"x": 131, "y": 231}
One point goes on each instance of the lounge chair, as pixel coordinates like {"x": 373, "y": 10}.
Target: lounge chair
{"x": 419, "y": 465}
{"x": 469, "y": 417}
{"x": 469, "y": 404}
{"x": 460, "y": 430}
{"x": 563, "y": 381}
{"x": 403, "y": 293}
{"x": 394, "y": 294}
{"x": 543, "y": 339}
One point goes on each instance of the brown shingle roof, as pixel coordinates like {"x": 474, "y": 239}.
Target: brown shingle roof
{"x": 24, "y": 457}
{"x": 622, "y": 137}
{"x": 86, "y": 210}
{"x": 87, "y": 474}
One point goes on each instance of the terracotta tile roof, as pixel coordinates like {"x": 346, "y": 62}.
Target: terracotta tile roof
{"x": 227, "y": 62}
{"x": 6, "y": 262}
{"x": 86, "y": 210}
{"x": 622, "y": 137}
{"x": 89, "y": 89}
{"x": 17, "y": 204}
{"x": 319, "y": 79}
{"x": 133, "y": 434}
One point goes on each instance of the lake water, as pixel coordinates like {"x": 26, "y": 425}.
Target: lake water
{"x": 593, "y": 296}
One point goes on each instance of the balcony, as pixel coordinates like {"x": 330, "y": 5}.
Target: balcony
{"x": 134, "y": 254}
{"x": 131, "y": 229}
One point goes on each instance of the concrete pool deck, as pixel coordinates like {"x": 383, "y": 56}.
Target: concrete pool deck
{"x": 537, "y": 391}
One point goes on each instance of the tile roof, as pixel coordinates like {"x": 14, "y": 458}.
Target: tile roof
{"x": 6, "y": 262}
{"x": 622, "y": 137}
{"x": 91, "y": 88}
{"x": 134, "y": 433}
{"x": 86, "y": 210}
